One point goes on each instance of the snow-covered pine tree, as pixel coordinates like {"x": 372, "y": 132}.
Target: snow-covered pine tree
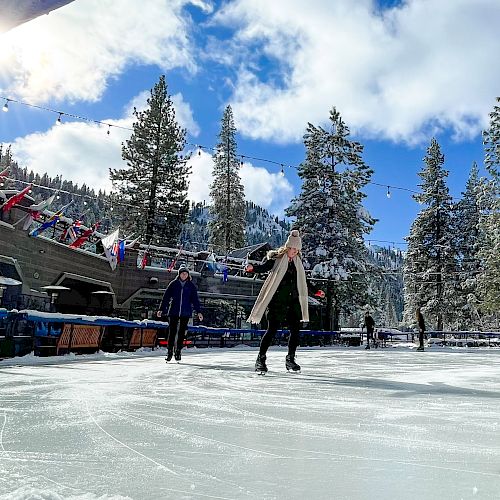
{"x": 430, "y": 264}
{"x": 468, "y": 244}
{"x": 388, "y": 286}
{"x": 154, "y": 186}
{"x": 331, "y": 217}
{"x": 489, "y": 280}
{"x": 227, "y": 226}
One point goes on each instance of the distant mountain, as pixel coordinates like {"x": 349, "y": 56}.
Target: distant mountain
{"x": 261, "y": 227}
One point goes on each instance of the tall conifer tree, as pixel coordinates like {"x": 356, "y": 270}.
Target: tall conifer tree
{"x": 489, "y": 282}
{"x": 227, "y": 227}
{"x": 331, "y": 217}
{"x": 430, "y": 265}
{"x": 468, "y": 241}
{"x": 154, "y": 186}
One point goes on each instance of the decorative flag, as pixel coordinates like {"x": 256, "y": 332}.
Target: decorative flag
{"x": 109, "y": 244}
{"x": 130, "y": 244}
{"x": 15, "y": 199}
{"x": 245, "y": 261}
{"x": 29, "y": 218}
{"x": 40, "y": 207}
{"x": 52, "y": 221}
{"x": 71, "y": 232}
{"x": 211, "y": 262}
{"x": 34, "y": 211}
{"x": 121, "y": 251}
{"x": 225, "y": 271}
{"x": 3, "y": 174}
{"x": 144, "y": 260}
{"x": 172, "y": 264}
{"x": 84, "y": 236}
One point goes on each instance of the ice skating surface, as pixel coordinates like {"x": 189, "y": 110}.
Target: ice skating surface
{"x": 355, "y": 424}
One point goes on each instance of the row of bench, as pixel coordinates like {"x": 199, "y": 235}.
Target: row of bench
{"x": 88, "y": 338}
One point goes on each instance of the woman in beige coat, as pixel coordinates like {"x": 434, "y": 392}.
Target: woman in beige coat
{"x": 284, "y": 294}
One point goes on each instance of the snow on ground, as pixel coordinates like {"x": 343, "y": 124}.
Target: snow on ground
{"x": 380, "y": 424}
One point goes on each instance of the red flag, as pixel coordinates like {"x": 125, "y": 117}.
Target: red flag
{"x": 172, "y": 264}
{"x": 15, "y": 199}
{"x": 144, "y": 259}
{"x": 84, "y": 237}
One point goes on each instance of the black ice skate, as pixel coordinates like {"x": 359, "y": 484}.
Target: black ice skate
{"x": 260, "y": 364}
{"x": 290, "y": 364}
{"x": 169, "y": 355}
{"x": 420, "y": 348}
{"x": 177, "y": 356}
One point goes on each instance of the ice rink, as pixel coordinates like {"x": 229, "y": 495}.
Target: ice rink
{"x": 377, "y": 425}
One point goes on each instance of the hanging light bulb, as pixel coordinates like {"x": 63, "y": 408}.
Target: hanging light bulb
{"x": 6, "y": 106}
{"x": 199, "y": 151}
{"x": 388, "y": 192}
{"x": 59, "y": 121}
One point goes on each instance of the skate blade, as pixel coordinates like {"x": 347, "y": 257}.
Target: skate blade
{"x": 260, "y": 372}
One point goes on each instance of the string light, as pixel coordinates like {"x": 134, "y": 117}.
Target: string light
{"x": 199, "y": 146}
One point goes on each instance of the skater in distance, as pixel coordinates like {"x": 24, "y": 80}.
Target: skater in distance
{"x": 179, "y": 299}
{"x": 421, "y": 329}
{"x": 284, "y": 295}
{"x": 369, "y": 324}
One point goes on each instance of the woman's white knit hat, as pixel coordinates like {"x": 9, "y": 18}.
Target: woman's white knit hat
{"x": 294, "y": 240}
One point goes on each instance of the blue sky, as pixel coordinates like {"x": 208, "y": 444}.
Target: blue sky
{"x": 399, "y": 73}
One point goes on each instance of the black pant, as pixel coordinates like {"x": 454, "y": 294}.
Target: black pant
{"x": 421, "y": 337}
{"x": 173, "y": 322}
{"x": 277, "y": 316}
{"x": 369, "y": 336}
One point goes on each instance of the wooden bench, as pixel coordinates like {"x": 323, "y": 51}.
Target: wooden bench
{"x": 143, "y": 337}
{"x": 75, "y": 337}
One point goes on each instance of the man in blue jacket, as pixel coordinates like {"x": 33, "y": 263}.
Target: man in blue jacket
{"x": 178, "y": 302}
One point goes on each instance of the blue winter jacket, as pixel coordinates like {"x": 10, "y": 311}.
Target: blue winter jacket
{"x": 180, "y": 300}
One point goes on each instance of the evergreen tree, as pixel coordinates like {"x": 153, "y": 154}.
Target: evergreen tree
{"x": 154, "y": 186}
{"x": 332, "y": 219}
{"x": 227, "y": 226}
{"x": 430, "y": 265}
{"x": 489, "y": 280}
{"x": 468, "y": 243}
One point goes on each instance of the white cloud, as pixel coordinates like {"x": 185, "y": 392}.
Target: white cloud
{"x": 84, "y": 152}
{"x": 73, "y": 52}
{"x": 399, "y": 74}
{"x": 80, "y": 152}
{"x": 270, "y": 191}
{"x": 184, "y": 115}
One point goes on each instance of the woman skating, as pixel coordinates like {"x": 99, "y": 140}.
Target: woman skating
{"x": 285, "y": 295}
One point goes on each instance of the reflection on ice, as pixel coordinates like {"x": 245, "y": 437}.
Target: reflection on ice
{"x": 355, "y": 424}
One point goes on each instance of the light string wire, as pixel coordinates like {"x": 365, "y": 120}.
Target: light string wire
{"x": 200, "y": 147}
